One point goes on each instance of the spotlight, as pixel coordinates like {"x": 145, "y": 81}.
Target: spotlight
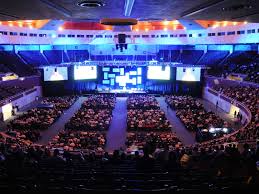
{"x": 165, "y": 22}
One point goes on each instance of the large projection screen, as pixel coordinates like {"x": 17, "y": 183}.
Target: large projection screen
{"x": 55, "y": 73}
{"x": 158, "y": 72}
{"x": 191, "y": 74}
{"x": 85, "y": 72}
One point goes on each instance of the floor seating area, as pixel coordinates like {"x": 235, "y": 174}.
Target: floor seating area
{"x": 193, "y": 115}
{"x": 144, "y": 114}
{"x": 157, "y": 140}
{"x": 94, "y": 114}
{"x": 30, "y": 123}
{"x": 72, "y": 140}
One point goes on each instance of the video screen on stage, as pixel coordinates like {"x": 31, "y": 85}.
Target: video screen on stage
{"x": 85, "y": 72}
{"x": 119, "y": 77}
{"x": 188, "y": 73}
{"x": 158, "y": 72}
{"x": 55, "y": 73}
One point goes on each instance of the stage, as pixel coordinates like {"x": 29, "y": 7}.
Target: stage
{"x": 122, "y": 91}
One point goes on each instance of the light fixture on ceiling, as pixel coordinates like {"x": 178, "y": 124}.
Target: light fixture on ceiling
{"x": 165, "y": 22}
{"x": 90, "y": 3}
{"x": 225, "y": 23}
{"x": 237, "y": 7}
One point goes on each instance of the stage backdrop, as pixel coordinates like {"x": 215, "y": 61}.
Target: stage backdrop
{"x": 114, "y": 77}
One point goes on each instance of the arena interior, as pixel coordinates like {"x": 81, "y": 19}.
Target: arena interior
{"x": 129, "y": 96}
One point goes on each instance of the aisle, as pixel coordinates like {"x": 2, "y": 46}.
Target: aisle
{"x": 59, "y": 125}
{"x": 184, "y": 135}
{"x": 116, "y": 136}
{"x": 208, "y": 106}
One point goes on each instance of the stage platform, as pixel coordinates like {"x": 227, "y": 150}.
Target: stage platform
{"x": 122, "y": 91}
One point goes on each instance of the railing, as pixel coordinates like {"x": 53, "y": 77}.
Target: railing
{"x": 17, "y": 96}
{"x": 210, "y": 79}
{"x": 238, "y": 104}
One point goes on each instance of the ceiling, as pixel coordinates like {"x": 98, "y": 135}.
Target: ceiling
{"x": 144, "y": 10}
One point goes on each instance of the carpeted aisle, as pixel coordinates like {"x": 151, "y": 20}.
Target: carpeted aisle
{"x": 184, "y": 135}
{"x": 60, "y": 123}
{"x": 116, "y": 135}
{"x": 221, "y": 113}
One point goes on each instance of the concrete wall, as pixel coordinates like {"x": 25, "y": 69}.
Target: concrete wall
{"x": 227, "y": 104}
{"x": 26, "y": 98}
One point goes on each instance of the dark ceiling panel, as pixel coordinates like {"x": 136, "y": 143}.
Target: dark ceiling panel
{"x": 29, "y": 9}
{"x": 227, "y": 10}
{"x": 112, "y": 8}
{"x": 161, "y": 9}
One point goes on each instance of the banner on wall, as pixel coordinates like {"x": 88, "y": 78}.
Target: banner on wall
{"x": 8, "y": 76}
{"x": 235, "y": 77}
{"x": 7, "y": 111}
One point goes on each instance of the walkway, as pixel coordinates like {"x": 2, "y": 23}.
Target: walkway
{"x": 184, "y": 135}
{"x": 221, "y": 113}
{"x": 116, "y": 136}
{"x": 59, "y": 125}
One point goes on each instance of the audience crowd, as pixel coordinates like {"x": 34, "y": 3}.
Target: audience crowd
{"x": 193, "y": 115}
{"x": 249, "y": 97}
{"x": 29, "y": 124}
{"x": 146, "y": 152}
{"x": 45, "y": 168}
{"x": 70, "y": 140}
{"x": 60, "y": 103}
{"x": 142, "y": 102}
{"x": 183, "y": 102}
{"x": 251, "y": 71}
{"x": 147, "y": 120}
{"x": 155, "y": 140}
{"x": 144, "y": 114}
{"x": 100, "y": 101}
{"x": 94, "y": 114}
